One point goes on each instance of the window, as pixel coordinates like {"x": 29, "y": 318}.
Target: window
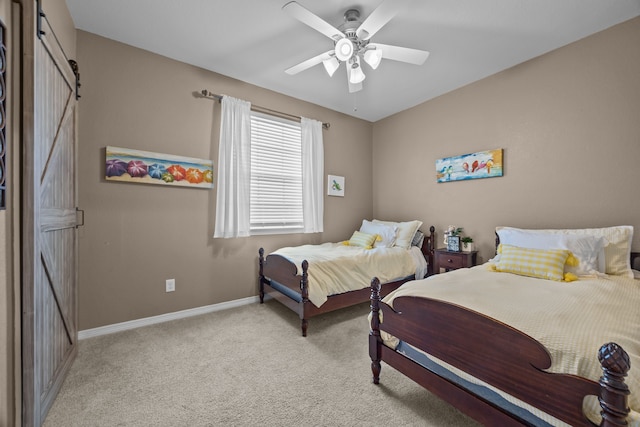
{"x": 276, "y": 175}
{"x": 282, "y": 191}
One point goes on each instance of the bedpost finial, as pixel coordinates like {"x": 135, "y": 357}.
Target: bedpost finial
{"x": 613, "y": 390}
{"x": 375, "y": 287}
{"x": 375, "y": 297}
{"x": 613, "y": 358}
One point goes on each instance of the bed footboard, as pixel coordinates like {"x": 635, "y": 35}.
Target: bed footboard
{"x": 285, "y": 285}
{"x": 496, "y": 354}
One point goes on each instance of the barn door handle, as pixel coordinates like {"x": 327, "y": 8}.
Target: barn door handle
{"x": 81, "y": 212}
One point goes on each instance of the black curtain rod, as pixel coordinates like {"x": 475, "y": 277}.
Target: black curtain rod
{"x": 206, "y": 94}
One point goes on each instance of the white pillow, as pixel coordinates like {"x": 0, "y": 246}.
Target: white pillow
{"x": 613, "y": 259}
{"x": 586, "y": 249}
{"x": 406, "y": 230}
{"x": 387, "y": 233}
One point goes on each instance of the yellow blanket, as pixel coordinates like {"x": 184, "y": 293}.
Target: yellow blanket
{"x": 572, "y": 320}
{"x": 335, "y": 268}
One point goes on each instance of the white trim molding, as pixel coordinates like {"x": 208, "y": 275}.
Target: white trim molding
{"x": 146, "y": 321}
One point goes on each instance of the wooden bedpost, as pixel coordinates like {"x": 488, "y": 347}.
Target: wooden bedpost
{"x": 432, "y": 250}
{"x": 304, "y": 288}
{"x": 374, "y": 333}
{"x": 613, "y": 390}
{"x": 260, "y": 276}
{"x": 427, "y": 249}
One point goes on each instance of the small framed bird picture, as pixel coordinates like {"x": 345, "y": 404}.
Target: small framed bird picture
{"x": 335, "y": 185}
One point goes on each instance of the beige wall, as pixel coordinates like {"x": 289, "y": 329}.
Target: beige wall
{"x": 136, "y": 236}
{"x": 568, "y": 124}
{"x": 60, "y": 19}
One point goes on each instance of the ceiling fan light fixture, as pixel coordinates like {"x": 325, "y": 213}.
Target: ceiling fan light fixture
{"x": 373, "y": 57}
{"x": 352, "y": 41}
{"x": 331, "y": 65}
{"x": 357, "y": 75}
{"x": 344, "y": 49}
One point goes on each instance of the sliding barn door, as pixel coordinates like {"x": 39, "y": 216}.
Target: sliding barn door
{"x": 50, "y": 244}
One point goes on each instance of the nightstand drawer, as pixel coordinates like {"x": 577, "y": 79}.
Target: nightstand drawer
{"x": 451, "y": 262}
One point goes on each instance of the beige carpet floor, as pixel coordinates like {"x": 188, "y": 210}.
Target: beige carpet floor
{"x": 246, "y": 366}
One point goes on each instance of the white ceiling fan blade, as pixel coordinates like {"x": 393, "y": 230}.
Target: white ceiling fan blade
{"x": 306, "y": 17}
{"x": 379, "y": 17}
{"x": 353, "y": 87}
{"x": 309, "y": 63}
{"x": 402, "y": 54}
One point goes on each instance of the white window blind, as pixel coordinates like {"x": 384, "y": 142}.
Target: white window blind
{"x": 276, "y": 174}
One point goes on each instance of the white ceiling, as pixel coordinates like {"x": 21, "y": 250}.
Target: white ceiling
{"x": 255, "y": 41}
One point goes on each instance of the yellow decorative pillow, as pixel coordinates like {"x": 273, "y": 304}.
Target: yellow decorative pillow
{"x": 361, "y": 239}
{"x": 540, "y": 263}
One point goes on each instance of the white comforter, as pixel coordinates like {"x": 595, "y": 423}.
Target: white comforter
{"x": 572, "y": 320}
{"x": 335, "y": 268}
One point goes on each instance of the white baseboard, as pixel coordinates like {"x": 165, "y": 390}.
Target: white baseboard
{"x": 132, "y": 324}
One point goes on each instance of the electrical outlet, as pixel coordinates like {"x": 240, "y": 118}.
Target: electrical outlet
{"x": 170, "y": 285}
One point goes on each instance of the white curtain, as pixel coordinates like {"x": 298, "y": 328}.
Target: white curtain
{"x": 234, "y": 169}
{"x": 312, "y": 175}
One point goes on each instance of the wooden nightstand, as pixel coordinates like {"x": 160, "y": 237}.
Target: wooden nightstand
{"x": 453, "y": 260}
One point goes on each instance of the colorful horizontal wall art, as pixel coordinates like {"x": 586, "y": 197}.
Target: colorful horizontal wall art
{"x": 126, "y": 165}
{"x": 483, "y": 164}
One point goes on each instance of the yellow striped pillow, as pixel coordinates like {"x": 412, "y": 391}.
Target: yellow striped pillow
{"x": 359, "y": 238}
{"x": 540, "y": 263}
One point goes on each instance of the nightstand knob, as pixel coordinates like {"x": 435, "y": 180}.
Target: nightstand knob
{"x": 449, "y": 260}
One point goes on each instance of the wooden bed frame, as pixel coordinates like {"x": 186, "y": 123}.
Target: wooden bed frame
{"x": 279, "y": 278}
{"x": 497, "y": 354}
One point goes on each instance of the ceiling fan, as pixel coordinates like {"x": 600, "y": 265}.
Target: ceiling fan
{"x": 352, "y": 41}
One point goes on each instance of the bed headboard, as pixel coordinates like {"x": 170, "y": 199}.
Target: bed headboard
{"x": 635, "y": 260}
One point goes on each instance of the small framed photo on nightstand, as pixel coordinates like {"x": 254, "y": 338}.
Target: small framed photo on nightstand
{"x": 453, "y": 243}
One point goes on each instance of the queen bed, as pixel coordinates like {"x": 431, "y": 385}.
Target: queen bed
{"x": 518, "y": 343}
{"x": 316, "y": 279}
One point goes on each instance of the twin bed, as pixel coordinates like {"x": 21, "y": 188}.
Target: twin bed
{"x": 316, "y": 279}
{"x": 543, "y": 334}
{"x": 509, "y": 348}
